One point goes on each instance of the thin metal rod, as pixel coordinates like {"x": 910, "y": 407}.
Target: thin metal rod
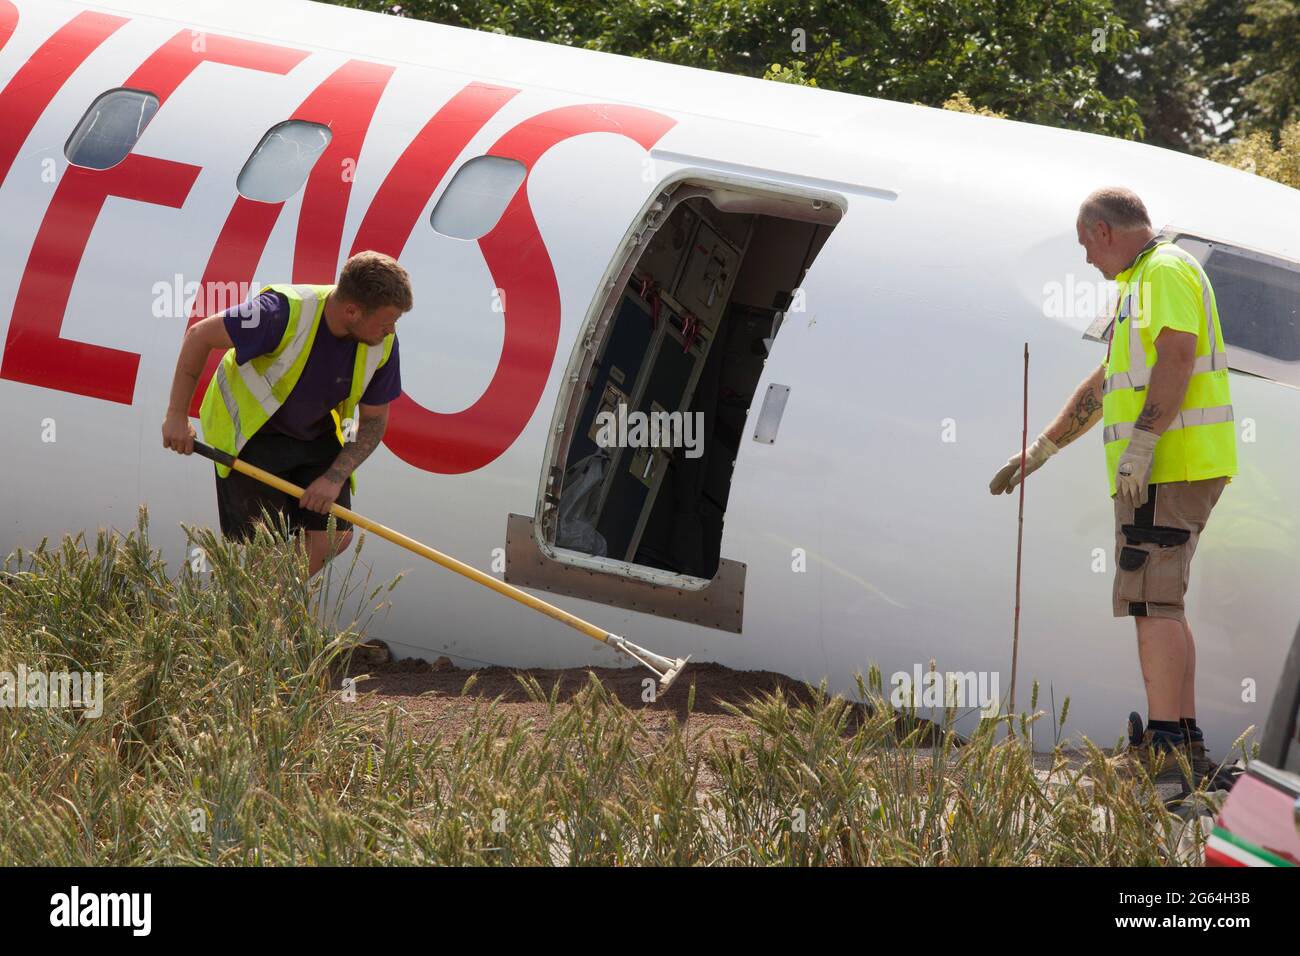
{"x": 1020, "y": 535}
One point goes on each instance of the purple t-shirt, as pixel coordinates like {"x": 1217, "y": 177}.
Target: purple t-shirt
{"x": 256, "y": 327}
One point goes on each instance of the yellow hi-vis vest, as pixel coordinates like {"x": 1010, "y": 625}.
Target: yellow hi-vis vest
{"x": 1167, "y": 288}
{"x": 241, "y": 398}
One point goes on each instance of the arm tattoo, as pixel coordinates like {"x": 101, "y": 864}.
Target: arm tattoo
{"x": 369, "y": 432}
{"x": 1080, "y": 417}
{"x": 1147, "y": 420}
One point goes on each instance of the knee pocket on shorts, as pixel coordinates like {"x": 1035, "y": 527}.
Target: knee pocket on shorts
{"x": 1155, "y": 576}
{"x": 1131, "y": 559}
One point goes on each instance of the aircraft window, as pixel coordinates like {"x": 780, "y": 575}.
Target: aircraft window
{"x": 1258, "y": 297}
{"x": 110, "y": 128}
{"x": 283, "y": 160}
{"x": 478, "y": 194}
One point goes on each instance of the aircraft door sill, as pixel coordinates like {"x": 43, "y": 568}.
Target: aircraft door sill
{"x": 719, "y": 604}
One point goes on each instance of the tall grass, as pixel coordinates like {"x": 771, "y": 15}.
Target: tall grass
{"x": 224, "y": 741}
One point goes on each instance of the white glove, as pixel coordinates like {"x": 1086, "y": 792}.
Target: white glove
{"x": 1009, "y": 476}
{"x": 1134, "y": 469}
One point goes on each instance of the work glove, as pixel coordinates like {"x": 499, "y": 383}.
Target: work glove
{"x": 1134, "y": 469}
{"x": 1009, "y": 476}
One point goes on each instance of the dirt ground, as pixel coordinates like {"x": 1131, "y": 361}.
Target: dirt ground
{"x": 429, "y": 699}
{"x": 428, "y": 696}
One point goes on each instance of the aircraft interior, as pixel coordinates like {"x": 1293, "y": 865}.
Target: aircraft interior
{"x": 687, "y": 331}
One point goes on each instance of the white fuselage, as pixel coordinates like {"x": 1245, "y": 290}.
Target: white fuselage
{"x": 904, "y": 367}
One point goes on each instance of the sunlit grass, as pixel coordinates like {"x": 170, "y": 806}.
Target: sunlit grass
{"x": 224, "y": 741}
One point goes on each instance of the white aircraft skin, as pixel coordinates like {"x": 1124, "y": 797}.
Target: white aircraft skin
{"x": 905, "y": 367}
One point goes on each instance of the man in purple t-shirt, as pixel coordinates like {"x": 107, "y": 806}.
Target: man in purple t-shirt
{"x": 299, "y": 442}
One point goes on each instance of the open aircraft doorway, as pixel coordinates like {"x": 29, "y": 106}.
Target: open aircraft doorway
{"x": 657, "y": 399}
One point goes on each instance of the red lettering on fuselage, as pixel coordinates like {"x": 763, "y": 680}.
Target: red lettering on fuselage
{"x": 26, "y": 96}
{"x": 458, "y": 442}
{"x": 516, "y": 257}
{"x": 346, "y": 103}
{"x": 35, "y": 352}
{"x": 8, "y": 21}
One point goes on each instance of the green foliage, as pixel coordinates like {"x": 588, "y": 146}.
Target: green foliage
{"x": 1031, "y": 61}
{"x": 1164, "y": 71}
{"x": 1261, "y": 153}
{"x": 1205, "y": 69}
{"x": 1183, "y": 74}
{"x": 224, "y": 740}
{"x": 1271, "y": 68}
{"x": 959, "y": 102}
{"x": 1220, "y": 52}
{"x": 796, "y": 73}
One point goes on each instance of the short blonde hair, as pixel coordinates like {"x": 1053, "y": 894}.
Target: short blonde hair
{"x": 1118, "y": 207}
{"x": 373, "y": 280}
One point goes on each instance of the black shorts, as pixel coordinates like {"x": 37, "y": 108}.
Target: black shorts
{"x": 240, "y": 499}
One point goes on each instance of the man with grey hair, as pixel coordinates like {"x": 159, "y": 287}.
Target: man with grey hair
{"x": 1170, "y": 444}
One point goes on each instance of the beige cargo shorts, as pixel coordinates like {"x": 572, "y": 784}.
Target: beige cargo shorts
{"x": 1154, "y": 546}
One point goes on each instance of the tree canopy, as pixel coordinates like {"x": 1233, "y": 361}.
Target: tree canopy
{"x": 1192, "y": 75}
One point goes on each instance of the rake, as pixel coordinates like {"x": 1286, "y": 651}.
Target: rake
{"x": 666, "y": 669}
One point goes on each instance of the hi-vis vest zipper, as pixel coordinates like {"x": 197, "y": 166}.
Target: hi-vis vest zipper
{"x": 241, "y": 398}
{"x": 1201, "y": 441}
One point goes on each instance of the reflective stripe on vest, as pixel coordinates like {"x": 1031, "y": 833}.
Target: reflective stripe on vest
{"x": 1140, "y": 377}
{"x": 303, "y": 300}
{"x": 1185, "y": 418}
{"x": 232, "y": 406}
{"x": 374, "y": 358}
{"x": 1139, "y": 380}
{"x": 1200, "y": 442}
{"x": 242, "y": 397}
